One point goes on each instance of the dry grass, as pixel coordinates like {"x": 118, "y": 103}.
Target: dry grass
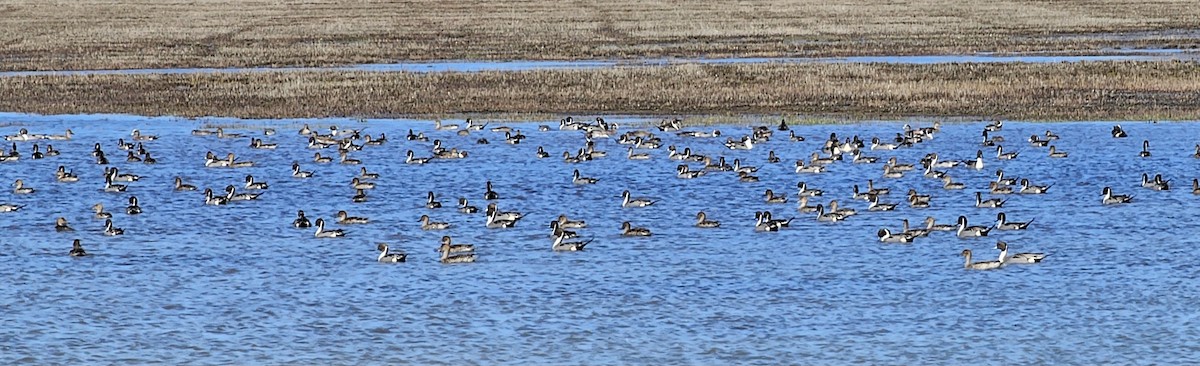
{"x": 107, "y": 34}
{"x": 1108, "y": 90}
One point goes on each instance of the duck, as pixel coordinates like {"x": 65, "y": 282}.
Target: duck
{"x": 50, "y": 151}
{"x": 764, "y": 222}
{"x": 1003, "y": 224}
{"x": 111, "y": 187}
{"x": 9, "y": 207}
{"x": 1036, "y": 141}
{"x": 345, "y": 158}
{"x": 996, "y": 188}
{"x": 1195, "y": 186}
{"x": 847, "y": 212}
{"x": 804, "y": 191}
{"x": 431, "y": 202}
{"x": 446, "y": 258}
{"x": 147, "y": 159}
{"x": 636, "y": 156}
{"x": 437, "y": 125}
{"x": 494, "y": 221}
{"x": 465, "y": 207}
{"x": 503, "y": 215}
{"x": 116, "y": 176}
{"x": 627, "y": 229}
{"x": 65, "y": 136}
{"x": 804, "y": 206}
{"x": 210, "y": 199}
{"x": 447, "y": 244}
{"x": 133, "y": 208}
{"x": 1001, "y": 180}
{"x": 541, "y": 153}
{"x": 932, "y": 225}
{"x": 60, "y": 225}
{"x": 37, "y": 153}
{"x": 301, "y": 222}
{"x": 251, "y": 184}
{"x": 1001, "y": 155}
{"x": 416, "y": 136}
{"x": 965, "y": 231}
{"x": 344, "y": 218}
{"x": 1054, "y": 153}
{"x": 556, "y": 231}
{"x": 231, "y": 195}
{"x": 359, "y": 196}
{"x": 876, "y": 206}
{"x": 913, "y": 232}
{"x": 886, "y": 236}
{"x": 859, "y": 158}
{"x": 77, "y": 249}
{"x": 356, "y": 183}
{"x": 772, "y": 158}
{"x": 388, "y": 257}
{"x": 426, "y": 224}
{"x": 876, "y": 145}
{"x": 138, "y": 136}
{"x": 979, "y": 265}
{"x": 811, "y": 169}
{"x": 560, "y": 245}
{"x": 747, "y": 178}
{"x": 20, "y": 188}
{"x": 109, "y": 230}
{"x": 1109, "y": 198}
{"x": 1028, "y": 188}
{"x": 100, "y": 213}
{"x": 567, "y": 223}
{"x": 892, "y": 162}
{"x": 1197, "y": 153}
{"x": 948, "y": 183}
{"x": 322, "y": 233}
{"x": 321, "y": 159}
{"x": 703, "y": 222}
{"x": 210, "y": 160}
{"x": 627, "y": 201}
{"x": 233, "y": 163}
{"x": 62, "y": 175}
{"x": 131, "y": 158}
{"x": 1158, "y": 184}
{"x": 1019, "y": 258}
{"x": 297, "y": 173}
{"x": 888, "y": 172}
{"x": 1145, "y": 149}
{"x": 770, "y": 197}
{"x": 1118, "y": 132}
{"x": 828, "y": 216}
{"x": 989, "y": 203}
{"x": 410, "y": 159}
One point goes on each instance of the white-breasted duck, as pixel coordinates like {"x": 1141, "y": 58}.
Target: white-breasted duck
{"x": 465, "y": 207}
{"x": 1002, "y": 223}
{"x": 322, "y": 233}
{"x": 301, "y": 222}
{"x": 99, "y": 212}
{"x": 886, "y": 236}
{"x": 628, "y": 201}
{"x": 979, "y": 265}
{"x": 1108, "y": 198}
{"x": 111, "y": 230}
{"x": 297, "y": 173}
{"x": 1018, "y": 258}
{"x": 427, "y": 224}
{"x": 251, "y": 184}
{"x": 133, "y": 208}
{"x": 966, "y": 231}
{"x": 77, "y": 249}
{"x": 988, "y": 203}
{"x": 386, "y": 256}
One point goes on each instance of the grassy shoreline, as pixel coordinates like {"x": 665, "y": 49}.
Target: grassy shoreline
{"x": 1071, "y": 91}
{"x": 103, "y": 34}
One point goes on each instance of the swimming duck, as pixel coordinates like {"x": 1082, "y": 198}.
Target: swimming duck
{"x": 437, "y": 125}
{"x": 897, "y": 166}
{"x": 122, "y": 145}
{"x": 210, "y": 199}
{"x": 426, "y": 224}
{"x": 804, "y": 191}
{"x": 1109, "y": 198}
{"x": 231, "y": 195}
{"x": 1001, "y": 155}
{"x": 66, "y": 136}
{"x": 344, "y": 218}
{"x": 364, "y": 174}
{"x": 297, "y": 173}
{"x": 321, "y": 159}
{"x": 812, "y": 169}
{"x": 1051, "y": 135}
{"x": 816, "y": 159}
{"x": 251, "y": 184}
{"x": 738, "y": 167}
{"x": 322, "y": 233}
{"x": 20, "y": 188}
{"x": 1117, "y": 132}
{"x": 410, "y": 159}
{"x": 847, "y": 212}
{"x": 359, "y": 196}
{"x": 494, "y": 221}
{"x": 416, "y": 136}
{"x": 100, "y": 213}
{"x": 147, "y": 159}
{"x": 60, "y": 225}
{"x": 567, "y": 223}
{"x": 1036, "y": 141}
{"x": 913, "y": 232}
{"x": 876, "y": 145}
{"x": 116, "y": 176}
{"x": 446, "y": 258}
{"x": 1145, "y": 149}
{"x": 489, "y": 194}
{"x": 627, "y": 229}
{"x": 37, "y": 153}
{"x": 931, "y": 225}
{"x": 1003, "y": 224}
{"x": 996, "y": 188}
{"x": 886, "y": 236}
{"x": 804, "y": 206}
{"x": 636, "y": 156}
{"x": 301, "y": 222}
{"x": 764, "y": 222}
{"x": 541, "y": 153}
{"x": 1054, "y": 153}
{"x": 627, "y": 201}
{"x": 965, "y": 231}
{"x": 828, "y": 216}
{"x": 979, "y": 265}
{"x": 1195, "y": 186}
{"x": 111, "y": 187}
{"x": 770, "y": 197}
{"x": 568, "y": 158}
{"x": 62, "y": 175}
{"x": 989, "y": 203}
{"x": 109, "y": 230}
{"x": 431, "y": 202}
{"x": 747, "y": 178}
{"x": 465, "y": 207}
{"x": 256, "y": 143}
{"x": 77, "y": 249}
{"x": 138, "y": 136}
{"x": 1019, "y": 258}
{"x": 682, "y": 171}
{"x": 356, "y": 183}
{"x": 9, "y": 207}
{"x": 560, "y": 245}
{"x": 889, "y": 173}
{"x": 1027, "y": 188}
{"x": 210, "y": 160}
{"x": 503, "y": 215}
{"x": 702, "y": 221}
{"x": 556, "y": 231}
{"x": 345, "y": 158}
{"x": 388, "y": 257}
{"x": 446, "y": 245}
{"x": 772, "y": 158}
{"x": 859, "y": 158}
{"x": 1158, "y": 184}
{"x": 133, "y": 208}
{"x": 50, "y": 151}
{"x": 1001, "y": 180}
{"x": 876, "y": 206}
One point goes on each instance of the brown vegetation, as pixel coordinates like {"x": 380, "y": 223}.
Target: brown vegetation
{"x": 1098, "y": 90}
{"x": 102, "y": 34}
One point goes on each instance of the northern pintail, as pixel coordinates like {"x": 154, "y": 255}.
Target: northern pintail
{"x": 369, "y": 141}
{"x": 979, "y": 265}
{"x": 426, "y": 224}
{"x": 1001, "y": 155}
{"x": 579, "y": 179}
{"x": 65, "y": 136}
{"x": 996, "y": 188}
{"x": 1197, "y": 153}
{"x": 446, "y": 244}
{"x": 1036, "y": 141}
{"x": 859, "y": 158}
{"x": 682, "y": 171}
{"x": 932, "y": 225}
{"x": 988, "y": 203}
{"x": 1027, "y": 188}
{"x": 232, "y": 162}
{"x": 251, "y": 184}
{"x": 138, "y": 136}
{"x": 322, "y": 233}
{"x": 628, "y": 201}
{"x": 886, "y": 236}
{"x": 976, "y": 163}
{"x": 111, "y": 187}
{"x": 556, "y": 231}
{"x": 804, "y": 206}
{"x": 133, "y": 208}
{"x": 297, "y": 173}
{"x": 301, "y": 222}
{"x": 60, "y": 225}
{"x": 356, "y": 183}
{"x": 495, "y": 221}
{"x": 317, "y": 158}
{"x": 965, "y": 231}
{"x": 1054, "y": 153}
{"x": 446, "y": 258}
{"x": 990, "y": 140}
{"x": 37, "y": 153}
{"x": 364, "y": 174}
{"x": 816, "y": 159}
{"x": 345, "y": 158}
{"x": 116, "y": 176}
{"x": 996, "y": 125}
{"x": 77, "y": 249}
{"x": 804, "y": 191}
{"x": 714, "y": 133}
{"x": 747, "y": 178}
{"x": 860, "y": 195}
{"x": 122, "y": 145}
{"x": 570, "y": 159}
{"x": 1145, "y": 149}
{"x": 20, "y": 188}
{"x": 627, "y": 229}
{"x": 542, "y": 154}
{"x": 828, "y": 216}
{"x": 9, "y": 207}
{"x": 1195, "y": 186}
{"x": 110, "y": 230}
{"x": 257, "y": 143}
{"x": 1003, "y": 224}
{"x": 1109, "y": 198}
{"x": 1019, "y": 258}
{"x": 503, "y": 215}
{"x": 1001, "y": 180}
{"x": 813, "y": 169}
{"x": 100, "y": 213}
{"x": 935, "y": 163}
{"x": 875, "y": 205}
{"x": 770, "y": 197}
{"x": 465, "y": 207}
{"x": 1157, "y": 184}
{"x": 1118, "y": 132}
{"x": 147, "y": 159}
{"x": 897, "y": 166}
{"x": 344, "y": 218}
{"x": 431, "y": 201}
{"x": 62, "y": 175}
{"x": 1051, "y": 135}
{"x": 764, "y": 222}
{"x": 50, "y": 151}
{"x": 847, "y": 212}
{"x": 437, "y": 125}
{"x": 388, "y": 257}
{"x": 416, "y": 136}
{"x": 913, "y": 232}
{"x": 876, "y": 145}
{"x": 636, "y": 156}
{"x": 702, "y": 221}
{"x": 567, "y": 223}
{"x": 560, "y": 245}
{"x": 888, "y": 172}
{"x": 511, "y": 139}
{"x": 410, "y": 159}
{"x": 231, "y": 194}
{"x": 210, "y": 199}
{"x": 360, "y": 196}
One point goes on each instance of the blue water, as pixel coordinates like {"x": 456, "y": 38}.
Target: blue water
{"x": 235, "y": 284}
{"x": 525, "y": 65}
